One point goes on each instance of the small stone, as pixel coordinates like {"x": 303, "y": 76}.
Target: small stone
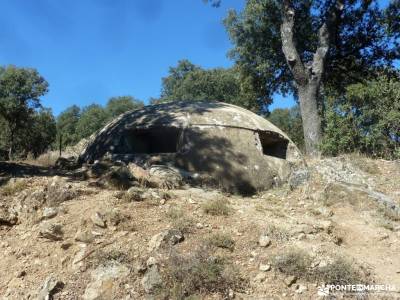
{"x": 98, "y": 220}
{"x": 151, "y": 261}
{"x": 151, "y": 280}
{"x": 49, "y": 212}
{"x": 199, "y": 226}
{"x": 66, "y": 245}
{"x": 264, "y": 241}
{"x": 301, "y": 288}
{"x": 170, "y": 237}
{"x": 51, "y": 231}
{"x": 21, "y": 274}
{"x": 139, "y": 267}
{"x": 231, "y": 294}
{"x": 162, "y": 201}
{"x": 323, "y": 264}
{"x": 301, "y": 236}
{"x": 84, "y": 236}
{"x": 289, "y": 280}
{"x": 260, "y": 277}
{"x": 49, "y": 288}
{"x": 264, "y": 268}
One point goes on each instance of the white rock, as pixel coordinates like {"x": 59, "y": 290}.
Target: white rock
{"x": 151, "y": 261}
{"x": 49, "y": 212}
{"x": 103, "y": 281}
{"x": 301, "y": 288}
{"x": 264, "y": 241}
{"x": 98, "y": 220}
{"x": 264, "y": 268}
{"x": 260, "y": 277}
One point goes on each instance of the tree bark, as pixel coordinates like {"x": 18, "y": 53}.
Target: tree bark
{"x": 11, "y": 149}
{"x": 308, "y": 78}
{"x": 308, "y": 96}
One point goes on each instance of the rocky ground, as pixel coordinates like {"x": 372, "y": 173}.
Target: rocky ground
{"x": 82, "y": 235}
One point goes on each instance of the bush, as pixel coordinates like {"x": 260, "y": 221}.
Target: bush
{"x": 222, "y": 240}
{"x": 13, "y": 187}
{"x": 198, "y": 274}
{"x": 277, "y": 233}
{"x": 179, "y": 221}
{"x": 119, "y": 178}
{"x": 365, "y": 120}
{"x": 297, "y": 263}
{"x": 293, "y": 262}
{"x": 219, "y": 207}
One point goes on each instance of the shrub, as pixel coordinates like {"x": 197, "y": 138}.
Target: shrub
{"x": 13, "y": 187}
{"x": 297, "y": 263}
{"x": 222, "y": 240}
{"x": 364, "y": 119}
{"x": 293, "y": 262}
{"x": 119, "y": 178}
{"x": 219, "y": 207}
{"x": 277, "y": 233}
{"x": 179, "y": 221}
{"x": 198, "y": 274}
{"x": 340, "y": 272}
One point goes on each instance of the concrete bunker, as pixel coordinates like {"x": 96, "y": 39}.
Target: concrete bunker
{"x": 236, "y": 149}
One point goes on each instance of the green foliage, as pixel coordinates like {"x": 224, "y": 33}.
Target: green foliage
{"x": 364, "y": 42}
{"x": 365, "y": 120}
{"x": 119, "y": 105}
{"x": 93, "y": 118}
{"x": 187, "y": 81}
{"x": 75, "y": 123}
{"x": 20, "y": 92}
{"x": 289, "y": 121}
{"x": 67, "y": 122}
{"x": 41, "y": 134}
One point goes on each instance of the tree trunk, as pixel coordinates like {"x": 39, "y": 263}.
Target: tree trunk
{"x": 308, "y": 76}
{"x": 308, "y": 98}
{"x": 11, "y": 149}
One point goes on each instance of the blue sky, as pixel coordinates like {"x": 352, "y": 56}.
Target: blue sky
{"x": 91, "y": 50}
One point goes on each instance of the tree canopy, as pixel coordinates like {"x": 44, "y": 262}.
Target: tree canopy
{"x": 307, "y": 47}
{"x": 20, "y": 92}
{"x": 188, "y": 81}
{"x": 119, "y": 105}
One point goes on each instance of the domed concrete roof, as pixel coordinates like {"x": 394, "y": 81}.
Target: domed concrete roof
{"x": 227, "y": 142}
{"x": 189, "y": 113}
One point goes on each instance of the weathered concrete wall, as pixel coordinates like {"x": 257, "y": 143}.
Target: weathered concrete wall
{"x": 215, "y": 138}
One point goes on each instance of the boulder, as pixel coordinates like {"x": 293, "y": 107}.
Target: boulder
{"x": 151, "y": 280}
{"x": 51, "y": 231}
{"x": 103, "y": 281}
{"x": 50, "y": 286}
{"x": 169, "y": 237}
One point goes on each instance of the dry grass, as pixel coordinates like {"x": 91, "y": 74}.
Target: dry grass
{"x": 365, "y": 164}
{"x": 179, "y": 221}
{"x": 277, "y": 233}
{"x": 297, "y": 263}
{"x": 45, "y": 160}
{"x": 14, "y": 187}
{"x": 222, "y": 240}
{"x": 196, "y": 275}
{"x": 218, "y": 207}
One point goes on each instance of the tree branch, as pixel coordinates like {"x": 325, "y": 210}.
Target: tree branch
{"x": 288, "y": 45}
{"x": 325, "y": 34}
